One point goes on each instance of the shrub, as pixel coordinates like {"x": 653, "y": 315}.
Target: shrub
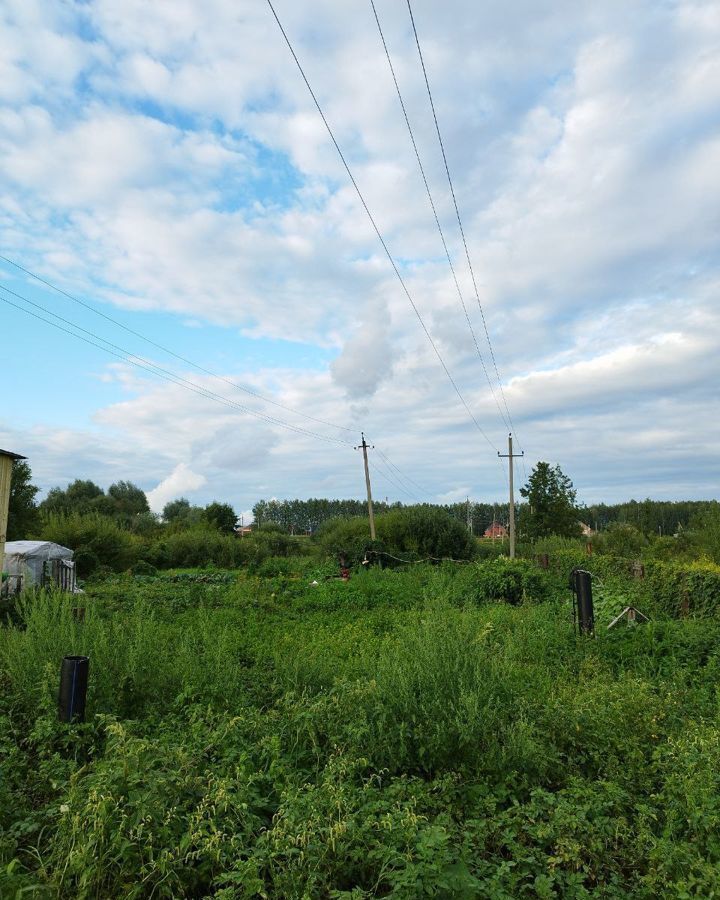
{"x": 344, "y": 537}
{"x": 142, "y": 567}
{"x": 199, "y": 546}
{"x": 86, "y": 562}
{"x": 97, "y": 539}
{"x": 413, "y": 533}
{"x": 489, "y": 549}
{"x": 508, "y": 580}
{"x": 620, "y": 539}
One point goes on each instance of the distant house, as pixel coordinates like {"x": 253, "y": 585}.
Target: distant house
{"x": 585, "y": 530}
{"x": 496, "y": 530}
{"x": 243, "y": 530}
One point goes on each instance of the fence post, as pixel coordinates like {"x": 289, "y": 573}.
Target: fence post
{"x": 73, "y": 688}
{"x": 582, "y": 588}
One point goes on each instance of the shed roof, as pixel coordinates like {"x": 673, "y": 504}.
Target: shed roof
{"x": 11, "y": 454}
{"x": 43, "y": 549}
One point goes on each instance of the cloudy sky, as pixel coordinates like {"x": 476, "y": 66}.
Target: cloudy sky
{"x": 164, "y": 164}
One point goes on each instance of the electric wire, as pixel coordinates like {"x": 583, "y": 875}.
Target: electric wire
{"x": 170, "y": 352}
{"x": 387, "y": 476}
{"x": 375, "y": 227}
{"x": 142, "y": 363}
{"x": 457, "y": 213}
{"x": 398, "y": 480}
{"x": 435, "y": 215}
{"x": 172, "y": 377}
{"x": 406, "y": 478}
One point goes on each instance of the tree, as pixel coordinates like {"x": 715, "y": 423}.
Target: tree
{"x": 79, "y": 497}
{"x": 129, "y": 500}
{"x": 551, "y": 505}
{"x": 23, "y": 516}
{"x": 176, "y": 510}
{"x": 221, "y": 515}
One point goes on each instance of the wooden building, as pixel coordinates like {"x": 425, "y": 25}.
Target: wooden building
{"x": 6, "y": 466}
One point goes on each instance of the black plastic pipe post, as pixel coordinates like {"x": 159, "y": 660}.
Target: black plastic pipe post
{"x": 73, "y": 688}
{"x": 583, "y": 593}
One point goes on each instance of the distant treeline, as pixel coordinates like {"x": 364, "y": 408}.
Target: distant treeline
{"x": 305, "y": 516}
{"x": 648, "y": 516}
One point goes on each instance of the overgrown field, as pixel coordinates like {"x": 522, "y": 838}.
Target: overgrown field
{"x": 406, "y": 734}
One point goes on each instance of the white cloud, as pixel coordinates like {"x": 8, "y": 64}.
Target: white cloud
{"x": 366, "y": 359}
{"x": 180, "y": 482}
{"x": 175, "y": 163}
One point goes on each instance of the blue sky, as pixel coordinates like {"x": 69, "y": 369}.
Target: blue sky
{"x": 165, "y": 164}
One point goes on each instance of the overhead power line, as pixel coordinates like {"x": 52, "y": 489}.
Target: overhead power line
{"x": 139, "y": 362}
{"x": 406, "y": 478}
{"x": 457, "y": 213}
{"x": 435, "y": 214}
{"x": 170, "y": 352}
{"x": 387, "y": 475}
{"x": 376, "y": 229}
{"x": 159, "y": 371}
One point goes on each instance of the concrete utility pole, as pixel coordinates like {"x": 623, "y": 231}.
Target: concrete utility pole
{"x": 364, "y": 447}
{"x": 510, "y": 456}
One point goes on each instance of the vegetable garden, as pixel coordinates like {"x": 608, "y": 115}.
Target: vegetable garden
{"x": 428, "y": 731}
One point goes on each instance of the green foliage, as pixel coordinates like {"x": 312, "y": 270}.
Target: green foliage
{"x": 180, "y": 514}
{"x": 620, "y": 540}
{"x": 95, "y": 539}
{"x": 704, "y": 527}
{"x": 124, "y": 502}
{"x": 81, "y": 496}
{"x": 551, "y": 505}
{"x": 412, "y": 533}
{"x": 349, "y": 538}
{"x": 23, "y": 516}
{"x": 128, "y": 500}
{"x": 652, "y": 517}
{"x": 301, "y": 516}
{"x": 505, "y": 580}
{"x": 176, "y": 510}
{"x": 402, "y": 734}
{"x": 221, "y": 516}
{"x": 198, "y": 546}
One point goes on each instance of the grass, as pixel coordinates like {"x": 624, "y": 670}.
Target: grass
{"x": 402, "y": 735}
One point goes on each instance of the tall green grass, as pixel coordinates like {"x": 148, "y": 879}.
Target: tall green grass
{"x": 405, "y": 734}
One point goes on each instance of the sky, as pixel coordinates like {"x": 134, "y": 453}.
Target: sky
{"x": 164, "y": 166}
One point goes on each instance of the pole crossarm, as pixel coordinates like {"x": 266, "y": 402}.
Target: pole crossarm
{"x": 364, "y": 446}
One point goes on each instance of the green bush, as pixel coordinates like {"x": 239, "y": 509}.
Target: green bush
{"x": 97, "y": 539}
{"x": 250, "y": 737}
{"x": 412, "y": 533}
{"x": 198, "y": 546}
{"x": 505, "y": 580}
{"x": 489, "y": 549}
{"x": 270, "y": 542}
{"x": 142, "y": 567}
{"x": 620, "y": 539}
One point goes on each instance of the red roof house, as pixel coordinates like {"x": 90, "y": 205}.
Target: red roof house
{"x": 496, "y": 530}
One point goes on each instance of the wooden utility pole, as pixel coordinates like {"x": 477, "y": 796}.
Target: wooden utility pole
{"x": 6, "y": 466}
{"x": 510, "y": 457}
{"x": 364, "y": 447}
